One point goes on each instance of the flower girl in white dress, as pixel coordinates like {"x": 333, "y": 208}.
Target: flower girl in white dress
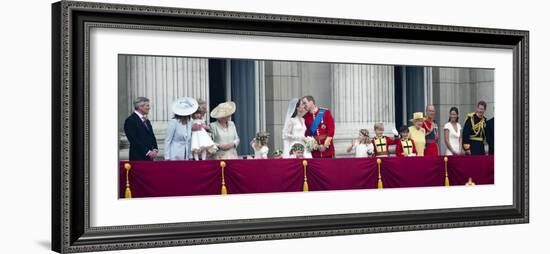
{"x": 200, "y": 140}
{"x": 259, "y": 144}
{"x": 295, "y": 128}
{"x": 364, "y": 147}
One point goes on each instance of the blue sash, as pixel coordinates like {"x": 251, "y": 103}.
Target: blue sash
{"x": 431, "y": 135}
{"x": 316, "y": 122}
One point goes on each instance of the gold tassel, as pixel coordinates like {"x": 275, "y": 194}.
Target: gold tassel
{"x": 306, "y": 186}
{"x": 224, "y": 189}
{"x": 447, "y": 183}
{"x": 128, "y": 192}
{"x": 380, "y": 185}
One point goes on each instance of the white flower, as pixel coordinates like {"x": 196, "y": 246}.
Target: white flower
{"x": 311, "y": 144}
{"x": 370, "y": 150}
{"x": 213, "y": 149}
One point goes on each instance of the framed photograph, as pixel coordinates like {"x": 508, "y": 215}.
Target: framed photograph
{"x": 182, "y": 126}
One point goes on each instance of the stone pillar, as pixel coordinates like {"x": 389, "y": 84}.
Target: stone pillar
{"x": 361, "y": 96}
{"x": 461, "y": 88}
{"x": 282, "y": 83}
{"x": 162, "y": 80}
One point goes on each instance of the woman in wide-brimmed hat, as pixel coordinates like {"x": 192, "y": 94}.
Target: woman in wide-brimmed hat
{"x": 417, "y": 133}
{"x": 224, "y": 132}
{"x": 177, "y": 144}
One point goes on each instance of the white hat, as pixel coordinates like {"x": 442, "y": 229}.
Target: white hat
{"x": 223, "y": 110}
{"x": 185, "y": 106}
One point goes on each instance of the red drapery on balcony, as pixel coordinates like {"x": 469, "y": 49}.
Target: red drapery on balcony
{"x": 184, "y": 178}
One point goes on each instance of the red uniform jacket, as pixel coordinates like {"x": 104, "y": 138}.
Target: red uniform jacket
{"x": 405, "y": 147}
{"x": 381, "y": 145}
{"x": 432, "y": 137}
{"x": 326, "y": 129}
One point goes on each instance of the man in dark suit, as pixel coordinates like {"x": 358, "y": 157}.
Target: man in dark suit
{"x": 139, "y": 131}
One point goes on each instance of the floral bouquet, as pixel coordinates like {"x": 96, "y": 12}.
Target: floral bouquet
{"x": 261, "y": 138}
{"x": 311, "y": 144}
{"x": 370, "y": 150}
{"x": 213, "y": 149}
{"x": 278, "y": 154}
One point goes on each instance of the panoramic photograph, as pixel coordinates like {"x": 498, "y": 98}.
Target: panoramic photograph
{"x": 206, "y": 126}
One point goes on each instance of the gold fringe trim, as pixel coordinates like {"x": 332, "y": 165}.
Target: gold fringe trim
{"x": 306, "y": 186}
{"x": 380, "y": 185}
{"x": 128, "y": 191}
{"x": 224, "y": 188}
{"x": 447, "y": 183}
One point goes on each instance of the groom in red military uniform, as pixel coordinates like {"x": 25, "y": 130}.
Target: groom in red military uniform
{"x": 320, "y": 125}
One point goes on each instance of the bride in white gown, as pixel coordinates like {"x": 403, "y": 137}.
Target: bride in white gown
{"x": 294, "y": 129}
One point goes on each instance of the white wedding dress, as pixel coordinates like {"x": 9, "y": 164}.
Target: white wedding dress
{"x": 294, "y": 132}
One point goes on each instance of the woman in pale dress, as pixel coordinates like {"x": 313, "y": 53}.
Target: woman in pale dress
{"x": 417, "y": 133}
{"x": 452, "y": 133}
{"x": 294, "y": 129}
{"x": 177, "y": 144}
{"x": 224, "y": 133}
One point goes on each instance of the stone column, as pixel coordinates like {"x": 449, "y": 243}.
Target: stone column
{"x": 282, "y": 83}
{"x": 162, "y": 80}
{"x": 361, "y": 96}
{"x": 461, "y": 88}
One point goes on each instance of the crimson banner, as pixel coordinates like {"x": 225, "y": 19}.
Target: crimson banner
{"x": 184, "y": 178}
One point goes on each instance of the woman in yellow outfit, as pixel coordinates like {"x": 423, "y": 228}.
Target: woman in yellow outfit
{"x": 417, "y": 133}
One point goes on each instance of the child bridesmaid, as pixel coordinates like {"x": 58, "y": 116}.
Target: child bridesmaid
{"x": 381, "y": 142}
{"x": 364, "y": 147}
{"x": 297, "y": 151}
{"x": 405, "y": 145}
{"x": 200, "y": 140}
{"x": 260, "y": 145}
